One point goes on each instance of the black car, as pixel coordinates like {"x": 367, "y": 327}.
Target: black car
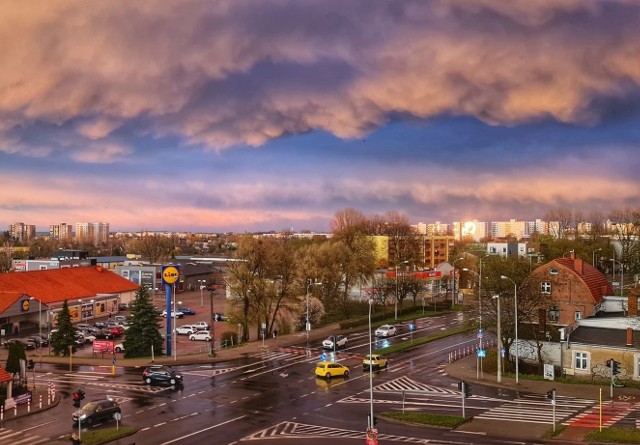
{"x": 26, "y": 344}
{"x": 38, "y": 340}
{"x": 96, "y": 411}
{"x": 186, "y": 311}
{"x": 161, "y": 375}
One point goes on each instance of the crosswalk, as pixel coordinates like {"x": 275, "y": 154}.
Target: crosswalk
{"x": 21, "y": 438}
{"x": 405, "y": 383}
{"x": 96, "y": 379}
{"x": 610, "y": 414}
{"x": 536, "y": 408}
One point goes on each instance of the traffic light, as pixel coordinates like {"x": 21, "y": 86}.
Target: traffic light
{"x": 551, "y": 394}
{"x": 30, "y": 364}
{"x": 615, "y": 367}
{"x": 465, "y": 388}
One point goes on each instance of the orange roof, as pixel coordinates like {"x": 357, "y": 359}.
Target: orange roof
{"x": 55, "y": 285}
{"x": 597, "y": 283}
{"x": 5, "y": 376}
{"x": 8, "y": 298}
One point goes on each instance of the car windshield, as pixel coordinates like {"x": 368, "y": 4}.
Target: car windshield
{"x": 89, "y": 407}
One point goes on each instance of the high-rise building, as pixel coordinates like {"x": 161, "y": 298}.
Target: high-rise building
{"x": 97, "y": 233}
{"x": 22, "y": 232}
{"x": 470, "y": 230}
{"x": 62, "y": 231}
{"x": 511, "y": 228}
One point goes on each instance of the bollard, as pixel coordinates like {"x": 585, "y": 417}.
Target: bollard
{"x": 40, "y": 403}
{"x": 28, "y": 406}
{"x": 1, "y": 414}
{"x": 15, "y": 410}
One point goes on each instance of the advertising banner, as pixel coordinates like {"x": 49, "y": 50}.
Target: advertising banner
{"x": 102, "y": 346}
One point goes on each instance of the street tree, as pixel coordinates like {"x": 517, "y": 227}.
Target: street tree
{"x": 156, "y": 249}
{"x": 16, "y": 353}
{"x": 63, "y": 341}
{"x": 143, "y": 335}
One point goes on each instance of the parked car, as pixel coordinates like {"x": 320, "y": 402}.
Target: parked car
{"x": 220, "y": 317}
{"x": 161, "y": 374}
{"x": 96, "y": 411}
{"x": 331, "y": 369}
{"x": 103, "y": 334}
{"x": 200, "y": 335}
{"x": 375, "y": 361}
{"x": 386, "y": 330}
{"x": 26, "y": 344}
{"x": 38, "y": 340}
{"x": 186, "y": 329}
{"x": 119, "y": 347}
{"x": 335, "y": 342}
{"x": 116, "y": 331}
{"x": 187, "y": 311}
{"x": 120, "y": 318}
{"x": 175, "y": 314}
{"x": 201, "y": 326}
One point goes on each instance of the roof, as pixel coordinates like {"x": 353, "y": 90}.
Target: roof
{"x": 55, "y": 285}
{"x": 595, "y": 280}
{"x": 4, "y": 375}
{"x": 7, "y": 299}
{"x": 604, "y": 337}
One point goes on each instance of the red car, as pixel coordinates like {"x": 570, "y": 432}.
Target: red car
{"x": 116, "y": 331}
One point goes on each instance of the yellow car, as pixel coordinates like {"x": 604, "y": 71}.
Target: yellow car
{"x": 375, "y": 360}
{"x": 331, "y": 369}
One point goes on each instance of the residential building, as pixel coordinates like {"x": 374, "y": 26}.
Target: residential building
{"x": 96, "y": 233}
{"x": 61, "y": 232}
{"x": 22, "y": 232}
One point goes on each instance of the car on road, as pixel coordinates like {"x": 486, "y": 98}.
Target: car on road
{"x": 176, "y": 314}
{"x": 375, "y": 361}
{"x": 161, "y": 374}
{"x": 331, "y": 369}
{"x": 386, "y": 330}
{"x": 335, "y": 342}
{"x": 96, "y": 411}
{"x": 186, "y": 329}
{"x": 187, "y": 311}
{"x": 201, "y": 326}
{"x": 200, "y": 335}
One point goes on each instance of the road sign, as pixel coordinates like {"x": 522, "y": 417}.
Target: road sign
{"x": 502, "y": 352}
{"x": 323, "y": 356}
{"x": 480, "y": 333}
{"x": 482, "y": 352}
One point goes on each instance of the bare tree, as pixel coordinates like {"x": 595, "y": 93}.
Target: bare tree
{"x": 156, "y": 249}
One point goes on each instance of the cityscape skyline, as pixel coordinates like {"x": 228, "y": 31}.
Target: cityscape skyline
{"x": 249, "y": 116}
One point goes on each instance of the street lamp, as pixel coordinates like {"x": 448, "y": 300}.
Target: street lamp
{"x": 499, "y": 372}
{"x": 621, "y": 275}
{"x": 39, "y": 325}
{"x": 396, "y": 305}
{"x": 202, "y": 282}
{"x": 515, "y": 300}
{"x": 371, "y": 423}
{"x": 308, "y": 323}
{"x": 593, "y": 257}
{"x": 453, "y": 297}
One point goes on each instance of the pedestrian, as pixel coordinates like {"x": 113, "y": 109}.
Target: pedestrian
{"x": 275, "y": 333}
{"x": 75, "y": 439}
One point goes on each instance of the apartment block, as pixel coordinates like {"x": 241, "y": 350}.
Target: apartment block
{"x": 62, "y": 231}
{"x": 22, "y": 232}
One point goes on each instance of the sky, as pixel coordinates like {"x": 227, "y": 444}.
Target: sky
{"x": 259, "y": 115}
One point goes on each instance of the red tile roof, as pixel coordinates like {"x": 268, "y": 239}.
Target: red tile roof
{"x": 56, "y": 285}
{"x": 597, "y": 283}
{"x": 5, "y": 376}
{"x": 8, "y": 298}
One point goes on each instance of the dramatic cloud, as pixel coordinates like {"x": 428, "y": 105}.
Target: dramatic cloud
{"x": 284, "y": 108}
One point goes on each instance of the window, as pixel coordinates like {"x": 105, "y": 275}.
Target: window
{"x": 553, "y": 271}
{"x": 554, "y": 313}
{"x": 545, "y": 287}
{"x": 578, "y": 315}
{"x": 581, "y": 361}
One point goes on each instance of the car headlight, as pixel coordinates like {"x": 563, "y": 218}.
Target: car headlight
{"x": 82, "y": 416}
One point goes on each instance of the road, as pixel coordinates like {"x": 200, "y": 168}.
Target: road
{"x": 273, "y": 394}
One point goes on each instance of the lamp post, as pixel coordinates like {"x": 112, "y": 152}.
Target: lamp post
{"x": 370, "y": 368}
{"x": 621, "y": 275}
{"x": 39, "y": 326}
{"x": 499, "y": 371}
{"x": 515, "y": 301}
{"x": 202, "y": 282}
{"x": 593, "y": 257}
{"x": 307, "y": 322}
{"x": 453, "y": 296}
{"x": 396, "y": 305}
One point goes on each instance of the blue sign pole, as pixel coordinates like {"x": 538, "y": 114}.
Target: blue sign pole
{"x": 168, "y": 293}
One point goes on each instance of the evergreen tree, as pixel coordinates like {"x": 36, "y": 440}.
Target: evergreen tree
{"x": 144, "y": 331}
{"x": 65, "y": 337}
{"x": 16, "y": 352}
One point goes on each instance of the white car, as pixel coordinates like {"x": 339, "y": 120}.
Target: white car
{"x": 187, "y": 329}
{"x": 386, "y": 330}
{"x": 335, "y": 342}
{"x": 201, "y": 326}
{"x": 176, "y": 314}
{"x": 119, "y": 347}
{"x": 200, "y": 335}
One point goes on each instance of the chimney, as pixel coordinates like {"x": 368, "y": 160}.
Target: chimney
{"x": 632, "y": 304}
{"x": 629, "y": 336}
{"x": 577, "y": 264}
